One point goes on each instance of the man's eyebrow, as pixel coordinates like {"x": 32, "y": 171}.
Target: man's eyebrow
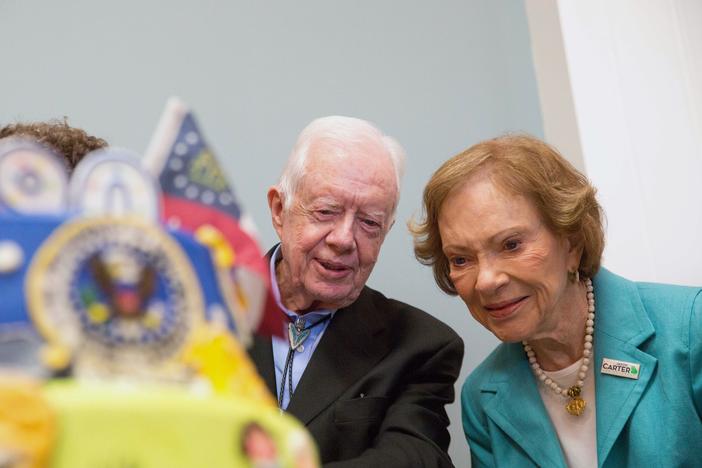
{"x": 378, "y": 214}
{"x": 320, "y": 200}
{"x": 325, "y": 202}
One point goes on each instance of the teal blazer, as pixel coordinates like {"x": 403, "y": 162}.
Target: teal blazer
{"x": 653, "y": 421}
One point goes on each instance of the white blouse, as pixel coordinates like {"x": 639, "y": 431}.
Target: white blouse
{"x": 577, "y": 434}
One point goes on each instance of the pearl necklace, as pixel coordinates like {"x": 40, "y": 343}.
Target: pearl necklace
{"x": 576, "y": 405}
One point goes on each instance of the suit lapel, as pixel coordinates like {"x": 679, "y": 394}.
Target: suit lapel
{"x": 348, "y": 349}
{"x": 261, "y": 352}
{"x": 621, "y": 325}
{"x": 517, "y": 409}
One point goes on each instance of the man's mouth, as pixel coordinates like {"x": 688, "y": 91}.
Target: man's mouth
{"x": 334, "y": 267}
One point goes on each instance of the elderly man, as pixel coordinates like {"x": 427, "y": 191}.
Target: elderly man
{"x": 369, "y": 376}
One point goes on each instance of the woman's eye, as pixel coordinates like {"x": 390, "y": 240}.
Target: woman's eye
{"x": 512, "y": 245}
{"x": 458, "y": 261}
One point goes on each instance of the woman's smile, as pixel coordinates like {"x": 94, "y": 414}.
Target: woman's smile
{"x": 504, "y": 309}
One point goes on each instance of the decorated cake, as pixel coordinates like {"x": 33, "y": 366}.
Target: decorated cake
{"x": 125, "y": 310}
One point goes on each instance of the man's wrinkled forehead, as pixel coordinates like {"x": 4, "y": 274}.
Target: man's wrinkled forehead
{"x": 358, "y": 178}
{"x": 351, "y": 147}
{"x": 366, "y": 156}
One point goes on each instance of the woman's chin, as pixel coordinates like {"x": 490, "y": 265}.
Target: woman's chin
{"x": 509, "y": 336}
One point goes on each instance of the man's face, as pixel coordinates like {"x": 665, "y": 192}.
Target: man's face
{"x": 332, "y": 232}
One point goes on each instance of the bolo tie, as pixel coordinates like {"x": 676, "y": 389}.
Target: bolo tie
{"x": 297, "y": 334}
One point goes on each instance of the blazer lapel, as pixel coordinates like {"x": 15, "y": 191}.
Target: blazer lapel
{"x": 621, "y": 325}
{"x": 517, "y": 409}
{"x": 349, "y": 348}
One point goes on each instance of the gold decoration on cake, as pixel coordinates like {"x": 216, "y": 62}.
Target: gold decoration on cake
{"x": 56, "y": 357}
{"x": 222, "y": 251}
{"x": 218, "y": 357}
{"x": 98, "y": 312}
{"x": 27, "y": 426}
{"x": 153, "y": 318}
{"x": 224, "y": 258}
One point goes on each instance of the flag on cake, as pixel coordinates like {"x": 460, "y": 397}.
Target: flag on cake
{"x": 198, "y": 198}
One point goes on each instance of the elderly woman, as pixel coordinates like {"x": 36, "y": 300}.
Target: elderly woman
{"x": 594, "y": 370}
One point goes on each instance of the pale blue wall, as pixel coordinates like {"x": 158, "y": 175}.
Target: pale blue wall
{"x": 438, "y": 76}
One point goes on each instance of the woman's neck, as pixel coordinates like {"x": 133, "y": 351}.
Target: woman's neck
{"x": 564, "y": 344}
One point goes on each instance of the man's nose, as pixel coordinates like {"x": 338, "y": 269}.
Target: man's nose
{"x": 341, "y": 237}
{"x": 491, "y": 276}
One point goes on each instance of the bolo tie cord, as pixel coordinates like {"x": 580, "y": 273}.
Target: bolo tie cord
{"x": 288, "y": 369}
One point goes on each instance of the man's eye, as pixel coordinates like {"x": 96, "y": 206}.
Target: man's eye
{"x": 325, "y": 213}
{"x": 370, "y": 223}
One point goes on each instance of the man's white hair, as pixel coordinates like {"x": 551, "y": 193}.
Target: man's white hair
{"x": 337, "y": 132}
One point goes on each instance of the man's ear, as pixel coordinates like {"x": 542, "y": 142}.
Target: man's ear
{"x": 275, "y": 204}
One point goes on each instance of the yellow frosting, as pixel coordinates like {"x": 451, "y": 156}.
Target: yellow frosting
{"x": 27, "y": 427}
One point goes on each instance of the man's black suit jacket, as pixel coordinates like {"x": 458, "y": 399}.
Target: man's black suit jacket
{"x": 374, "y": 392}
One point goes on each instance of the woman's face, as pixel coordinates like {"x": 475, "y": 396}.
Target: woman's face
{"x": 507, "y": 266}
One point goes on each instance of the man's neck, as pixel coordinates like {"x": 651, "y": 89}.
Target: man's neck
{"x": 291, "y": 295}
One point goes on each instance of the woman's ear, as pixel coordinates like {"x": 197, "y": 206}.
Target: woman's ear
{"x": 575, "y": 251}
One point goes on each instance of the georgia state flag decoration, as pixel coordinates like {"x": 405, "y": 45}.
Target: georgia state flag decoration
{"x": 198, "y": 198}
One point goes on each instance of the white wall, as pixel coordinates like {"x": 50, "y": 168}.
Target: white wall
{"x": 634, "y": 77}
{"x": 439, "y": 76}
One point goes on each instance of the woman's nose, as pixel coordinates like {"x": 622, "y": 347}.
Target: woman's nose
{"x": 490, "y": 276}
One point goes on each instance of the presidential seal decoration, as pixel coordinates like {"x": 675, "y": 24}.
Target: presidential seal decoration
{"x": 112, "y": 296}
{"x": 32, "y": 178}
{"x": 112, "y": 182}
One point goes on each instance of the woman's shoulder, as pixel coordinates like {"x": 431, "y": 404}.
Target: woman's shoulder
{"x": 670, "y": 295}
{"x": 652, "y": 295}
{"x": 673, "y": 311}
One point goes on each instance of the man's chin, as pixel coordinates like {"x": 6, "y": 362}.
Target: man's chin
{"x": 335, "y": 298}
